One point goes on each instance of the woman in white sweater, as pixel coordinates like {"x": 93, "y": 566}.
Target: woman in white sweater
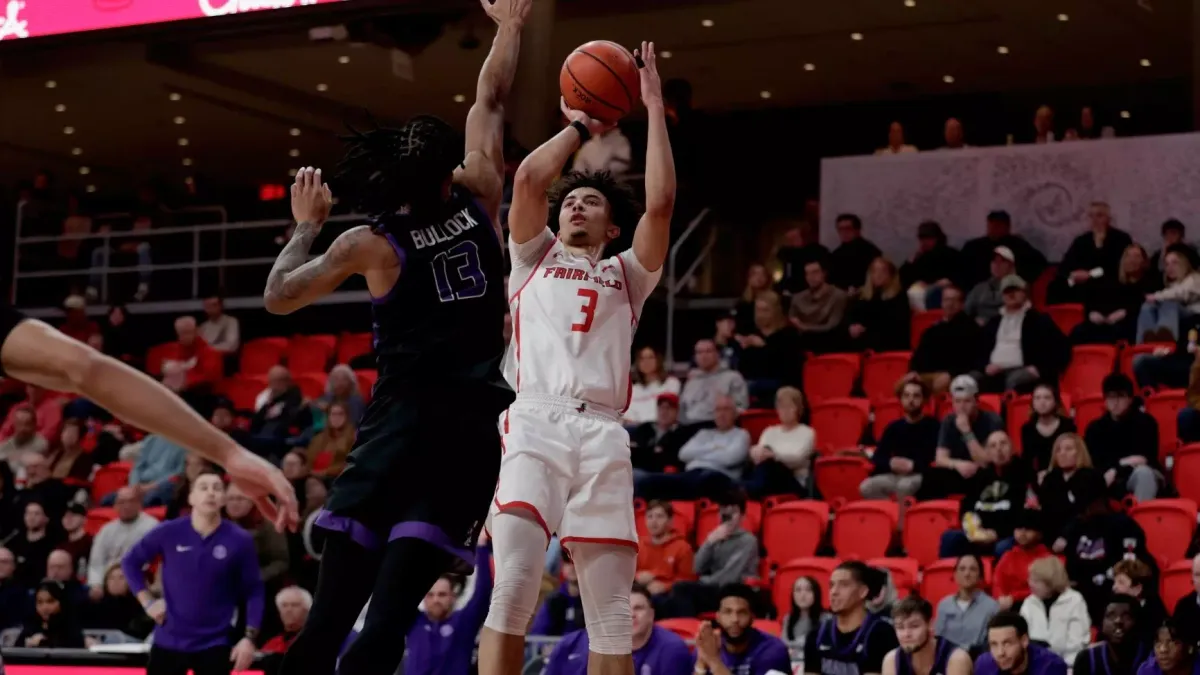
{"x": 650, "y": 379}
{"x": 1158, "y": 320}
{"x": 1056, "y": 613}
{"x": 783, "y": 454}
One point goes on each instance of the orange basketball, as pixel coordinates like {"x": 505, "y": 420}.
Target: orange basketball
{"x": 600, "y": 78}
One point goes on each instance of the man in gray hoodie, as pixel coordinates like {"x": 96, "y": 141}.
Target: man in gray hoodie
{"x": 728, "y": 555}
{"x": 713, "y": 459}
{"x": 708, "y": 382}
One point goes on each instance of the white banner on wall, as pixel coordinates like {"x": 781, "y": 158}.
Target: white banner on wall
{"x": 1046, "y": 189}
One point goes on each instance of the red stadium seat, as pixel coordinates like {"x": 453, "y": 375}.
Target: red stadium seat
{"x": 830, "y": 376}
{"x": 1186, "y": 472}
{"x": 1090, "y": 364}
{"x": 685, "y": 628}
{"x": 259, "y": 356}
{"x": 1040, "y": 287}
{"x": 768, "y": 626}
{"x": 839, "y": 422}
{"x": 886, "y": 412}
{"x": 312, "y": 385}
{"x": 1129, "y": 352}
{"x": 351, "y": 345}
{"x": 787, "y": 574}
{"x": 1168, "y": 524}
{"x": 838, "y": 477}
{"x": 98, "y": 518}
{"x": 921, "y": 321}
{"x": 243, "y": 390}
{"x": 1164, "y": 407}
{"x": 683, "y": 519}
{"x": 937, "y": 580}
{"x": 1066, "y": 316}
{"x": 366, "y": 382}
{"x": 155, "y": 356}
{"x": 1176, "y": 583}
{"x": 639, "y": 516}
{"x": 881, "y": 372}
{"x": 110, "y": 478}
{"x": 1087, "y": 410}
{"x": 158, "y": 512}
{"x": 794, "y": 529}
{"x": 905, "y": 572}
{"x": 310, "y": 353}
{"x": 924, "y": 523}
{"x": 863, "y": 529}
{"x": 756, "y": 420}
{"x": 710, "y": 517}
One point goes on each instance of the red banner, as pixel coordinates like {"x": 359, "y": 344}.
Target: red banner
{"x": 38, "y": 18}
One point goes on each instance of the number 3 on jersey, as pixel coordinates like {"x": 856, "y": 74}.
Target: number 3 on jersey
{"x": 457, "y": 273}
{"x": 590, "y": 298}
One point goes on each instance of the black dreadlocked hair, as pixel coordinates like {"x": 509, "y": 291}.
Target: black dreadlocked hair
{"x": 387, "y": 169}
{"x": 623, "y": 206}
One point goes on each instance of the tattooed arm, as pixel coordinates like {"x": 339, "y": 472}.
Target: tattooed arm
{"x": 295, "y": 283}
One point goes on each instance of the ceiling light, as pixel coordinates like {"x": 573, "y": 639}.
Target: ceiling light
{"x": 189, "y": 180}
{"x": 764, "y": 94}
{"x": 293, "y": 152}
{"x": 175, "y": 96}
{"x": 707, "y": 23}
{"x": 292, "y": 172}
{"x": 50, "y": 84}
{"x": 910, "y": 3}
{"x": 294, "y": 131}
{"x": 76, "y": 151}
{"x": 91, "y": 188}
{"x": 948, "y": 79}
{"x": 183, "y": 141}
{"x": 1001, "y": 49}
{"x": 68, "y": 130}
{"x": 1145, "y": 63}
{"x": 322, "y": 87}
{"x": 343, "y": 60}
{"x": 856, "y": 36}
{"x": 1063, "y": 17}
{"x": 83, "y": 171}
{"x": 666, "y": 54}
{"x": 810, "y": 67}
{"x": 459, "y": 98}
{"x": 187, "y": 161}
{"x": 1124, "y": 114}
{"x": 60, "y": 108}
{"x": 180, "y": 120}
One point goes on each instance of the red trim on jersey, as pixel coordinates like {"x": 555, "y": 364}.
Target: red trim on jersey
{"x": 607, "y": 541}
{"x": 632, "y": 322}
{"x": 517, "y": 314}
{"x": 524, "y": 506}
{"x": 534, "y": 271}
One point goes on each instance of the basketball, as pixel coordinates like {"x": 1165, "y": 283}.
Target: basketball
{"x": 600, "y": 78}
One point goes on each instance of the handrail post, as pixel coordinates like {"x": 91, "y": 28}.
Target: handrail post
{"x": 106, "y": 242}
{"x": 17, "y": 250}
{"x": 672, "y": 284}
{"x": 196, "y": 264}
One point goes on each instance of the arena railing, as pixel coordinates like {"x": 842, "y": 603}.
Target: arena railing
{"x": 677, "y": 282}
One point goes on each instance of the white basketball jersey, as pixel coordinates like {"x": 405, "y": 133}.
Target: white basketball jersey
{"x": 573, "y": 322}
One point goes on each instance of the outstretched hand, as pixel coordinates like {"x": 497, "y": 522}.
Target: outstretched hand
{"x": 271, "y": 491}
{"x": 595, "y": 126}
{"x": 503, "y": 11}
{"x": 648, "y": 72}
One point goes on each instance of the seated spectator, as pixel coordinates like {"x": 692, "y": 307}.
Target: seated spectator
{"x": 818, "y": 311}
{"x": 992, "y": 507}
{"x": 562, "y": 611}
{"x": 1112, "y": 305}
{"x": 202, "y": 365}
{"x": 758, "y": 280}
{"x": 655, "y": 649}
{"x": 1011, "y": 651}
{"x": 16, "y": 599}
{"x": 329, "y": 449}
{"x": 713, "y": 460}
{"x": 728, "y": 555}
{"x": 1056, "y": 613}
{"x": 1135, "y": 579}
{"x": 725, "y": 338}
{"x": 664, "y": 556}
{"x": 67, "y": 458}
{"x": 1124, "y": 442}
{"x": 1186, "y": 611}
{"x": 773, "y": 355}
{"x": 32, "y": 545}
{"x": 654, "y": 446}
{"x": 880, "y": 318}
{"x": 77, "y": 325}
{"x": 1093, "y": 255}
{"x": 78, "y": 543}
{"x": 741, "y": 648}
{"x": 44, "y": 489}
{"x": 932, "y": 269}
{"x": 805, "y": 615}
{"x": 25, "y": 440}
{"x": 294, "y": 604}
{"x": 905, "y": 450}
{"x": 848, "y": 263}
{"x": 650, "y": 379}
{"x": 852, "y": 584}
{"x": 896, "y": 144}
{"x": 912, "y": 617}
{"x": 277, "y": 409}
{"x": 53, "y": 625}
{"x": 1174, "y": 650}
{"x": 47, "y": 410}
{"x": 1162, "y": 313}
{"x": 1063, "y": 490}
{"x": 784, "y": 453}
{"x": 154, "y": 474}
{"x": 61, "y": 568}
{"x": 1010, "y": 579}
{"x": 115, "y": 607}
{"x": 947, "y": 349}
{"x": 117, "y": 536}
{"x": 1173, "y": 232}
{"x": 960, "y": 450}
{"x": 342, "y": 387}
{"x": 1021, "y": 345}
{"x": 985, "y": 299}
{"x": 799, "y": 247}
{"x": 219, "y": 330}
{"x": 1046, "y": 424}
{"x": 444, "y": 637}
{"x": 119, "y": 340}
{"x": 708, "y": 382}
{"x": 978, "y": 252}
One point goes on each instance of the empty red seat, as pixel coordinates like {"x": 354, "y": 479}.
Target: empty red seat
{"x": 830, "y": 376}
{"x": 1164, "y": 407}
{"x": 881, "y": 372}
{"x": 937, "y": 580}
{"x": 312, "y": 385}
{"x": 1176, "y": 583}
{"x": 756, "y": 420}
{"x": 1185, "y": 473}
{"x": 921, "y": 321}
{"x": 839, "y": 477}
{"x": 98, "y": 518}
{"x": 1168, "y": 524}
{"x": 110, "y": 478}
{"x": 259, "y": 356}
{"x": 768, "y": 626}
{"x": 924, "y": 523}
{"x": 351, "y": 345}
{"x": 886, "y": 412}
{"x": 794, "y": 529}
{"x": 839, "y": 422}
{"x": 686, "y": 628}
{"x": 786, "y": 575}
{"x": 310, "y": 353}
{"x": 1090, "y": 364}
{"x": 366, "y": 382}
{"x": 242, "y": 390}
{"x": 1066, "y": 316}
{"x": 863, "y": 529}
{"x": 905, "y": 572}
{"x": 683, "y": 518}
{"x": 1087, "y": 410}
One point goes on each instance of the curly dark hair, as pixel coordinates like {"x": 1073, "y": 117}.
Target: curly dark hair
{"x": 387, "y": 169}
{"x": 623, "y": 205}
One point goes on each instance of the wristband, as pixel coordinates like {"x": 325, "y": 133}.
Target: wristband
{"x": 584, "y": 134}
{"x": 968, "y": 437}
{"x": 251, "y": 634}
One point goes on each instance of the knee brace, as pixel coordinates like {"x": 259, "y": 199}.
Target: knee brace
{"x": 519, "y": 544}
{"x": 606, "y": 574}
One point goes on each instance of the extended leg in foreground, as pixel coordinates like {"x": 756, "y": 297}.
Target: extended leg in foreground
{"x": 606, "y": 574}
{"x": 519, "y": 543}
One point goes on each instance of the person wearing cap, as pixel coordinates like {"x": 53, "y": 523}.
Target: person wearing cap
{"x": 960, "y": 452}
{"x": 934, "y": 267}
{"x": 986, "y": 297}
{"x": 1092, "y": 255}
{"x": 1010, "y": 579}
{"x": 654, "y": 446}
{"x": 1021, "y": 345}
{"x": 1124, "y": 442}
{"x": 978, "y": 252}
{"x": 1164, "y": 312}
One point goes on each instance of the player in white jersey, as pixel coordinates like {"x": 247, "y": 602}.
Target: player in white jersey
{"x": 566, "y": 455}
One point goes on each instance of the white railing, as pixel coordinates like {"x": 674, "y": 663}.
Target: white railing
{"x": 677, "y": 282}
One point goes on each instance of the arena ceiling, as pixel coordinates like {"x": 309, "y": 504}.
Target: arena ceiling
{"x": 253, "y": 99}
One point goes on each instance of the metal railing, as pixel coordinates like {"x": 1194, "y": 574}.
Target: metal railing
{"x": 677, "y": 282}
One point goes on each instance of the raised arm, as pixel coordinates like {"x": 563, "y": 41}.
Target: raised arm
{"x": 653, "y": 235}
{"x": 295, "y": 281}
{"x": 483, "y": 169}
